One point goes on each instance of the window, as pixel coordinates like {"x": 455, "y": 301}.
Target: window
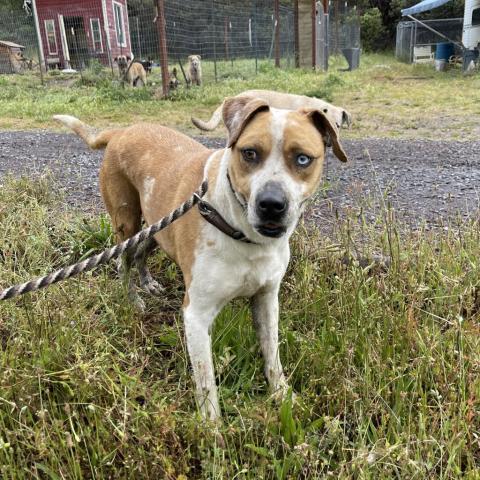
{"x": 96, "y": 35}
{"x": 476, "y": 17}
{"x": 119, "y": 25}
{"x": 51, "y": 38}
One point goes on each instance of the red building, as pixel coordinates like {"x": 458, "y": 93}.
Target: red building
{"x": 73, "y": 32}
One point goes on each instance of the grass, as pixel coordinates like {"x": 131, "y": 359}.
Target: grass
{"x": 384, "y": 362}
{"x": 386, "y": 97}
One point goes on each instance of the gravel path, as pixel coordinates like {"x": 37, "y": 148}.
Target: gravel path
{"x": 423, "y": 180}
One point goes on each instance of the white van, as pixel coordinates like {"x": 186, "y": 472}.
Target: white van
{"x": 471, "y": 24}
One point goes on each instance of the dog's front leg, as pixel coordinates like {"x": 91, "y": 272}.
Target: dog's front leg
{"x": 265, "y": 317}
{"x": 198, "y": 323}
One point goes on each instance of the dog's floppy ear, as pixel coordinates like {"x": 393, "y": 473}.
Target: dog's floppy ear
{"x": 199, "y": 57}
{"x": 128, "y": 58}
{"x": 237, "y": 112}
{"x": 115, "y": 60}
{"x": 329, "y": 132}
{"x": 190, "y": 57}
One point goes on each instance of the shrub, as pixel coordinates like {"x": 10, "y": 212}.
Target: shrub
{"x": 372, "y": 30}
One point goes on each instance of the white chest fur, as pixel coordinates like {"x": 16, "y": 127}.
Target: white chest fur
{"x": 225, "y": 268}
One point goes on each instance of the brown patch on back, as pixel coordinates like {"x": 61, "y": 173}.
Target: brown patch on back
{"x": 255, "y": 135}
{"x": 302, "y": 136}
{"x": 176, "y": 163}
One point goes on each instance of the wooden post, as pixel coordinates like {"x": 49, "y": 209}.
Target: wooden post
{"x": 162, "y": 38}
{"x": 277, "y": 33}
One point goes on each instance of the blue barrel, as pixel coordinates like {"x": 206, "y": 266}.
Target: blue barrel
{"x": 444, "y": 51}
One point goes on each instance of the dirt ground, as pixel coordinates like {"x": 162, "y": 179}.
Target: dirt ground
{"x": 425, "y": 181}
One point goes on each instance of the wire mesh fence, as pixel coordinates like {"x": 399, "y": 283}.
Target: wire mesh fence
{"x": 411, "y": 35}
{"x": 344, "y": 27}
{"x": 233, "y": 39}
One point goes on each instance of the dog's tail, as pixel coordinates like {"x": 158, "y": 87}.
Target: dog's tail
{"x": 212, "y": 124}
{"x": 95, "y": 140}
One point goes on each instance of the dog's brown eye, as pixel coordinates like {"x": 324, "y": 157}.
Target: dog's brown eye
{"x": 249, "y": 155}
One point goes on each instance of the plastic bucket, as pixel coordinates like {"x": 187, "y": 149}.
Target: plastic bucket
{"x": 440, "y": 65}
{"x": 444, "y": 51}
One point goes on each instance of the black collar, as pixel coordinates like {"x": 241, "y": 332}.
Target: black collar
{"x": 211, "y": 215}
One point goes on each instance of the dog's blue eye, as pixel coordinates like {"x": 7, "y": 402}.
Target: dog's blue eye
{"x": 303, "y": 160}
{"x": 249, "y": 155}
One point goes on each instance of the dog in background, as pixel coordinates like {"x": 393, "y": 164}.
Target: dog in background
{"x": 287, "y": 101}
{"x": 194, "y": 70}
{"x": 173, "y": 79}
{"x": 131, "y": 71}
{"x": 147, "y": 65}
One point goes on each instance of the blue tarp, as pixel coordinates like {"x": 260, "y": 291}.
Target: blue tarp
{"x": 423, "y": 6}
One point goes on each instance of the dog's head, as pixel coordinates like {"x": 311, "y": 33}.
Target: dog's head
{"x": 276, "y": 160}
{"x": 340, "y": 116}
{"x": 147, "y": 65}
{"x": 194, "y": 61}
{"x": 172, "y": 79}
{"x": 122, "y": 61}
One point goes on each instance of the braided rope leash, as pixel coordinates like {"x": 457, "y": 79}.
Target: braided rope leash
{"x": 107, "y": 255}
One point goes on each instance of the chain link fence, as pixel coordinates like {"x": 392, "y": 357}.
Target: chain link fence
{"x": 411, "y": 35}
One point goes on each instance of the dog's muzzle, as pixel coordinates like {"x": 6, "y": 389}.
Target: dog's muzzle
{"x": 271, "y": 207}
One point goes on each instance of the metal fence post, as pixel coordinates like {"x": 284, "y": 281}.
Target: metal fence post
{"x": 162, "y": 38}
{"x": 314, "y": 34}
{"x": 256, "y": 37}
{"x": 225, "y": 38}
{"x": 212, "y": 15}
{"x": 296, "y": 34}
{"x": 41, "y": 59}
{"x": 277, "y": 33}
{"x": 138, "y": 38}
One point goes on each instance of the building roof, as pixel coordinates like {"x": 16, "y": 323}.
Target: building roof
{"x": 10, "y": 44}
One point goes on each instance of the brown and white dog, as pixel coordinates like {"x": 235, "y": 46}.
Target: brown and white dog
{"x": 131, "y": 71}
{"x": 194, "y": 70}
{"x": 259, "y": 184}
{"x": 287, "y": 101}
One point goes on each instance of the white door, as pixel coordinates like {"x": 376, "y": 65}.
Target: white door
{"x": 63, "y": 37}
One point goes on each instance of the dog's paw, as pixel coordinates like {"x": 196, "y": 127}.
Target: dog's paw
{"x": 284, "y": 393}
{"x": 137, "y": 302}
{"x": 152, "y": 286}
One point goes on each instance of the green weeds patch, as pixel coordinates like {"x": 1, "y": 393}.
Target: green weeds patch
{"x": 386, "y": 97}
{"x": 384, "y": 361}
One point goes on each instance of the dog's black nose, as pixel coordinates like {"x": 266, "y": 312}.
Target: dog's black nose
{"x": 271, "y": 202}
